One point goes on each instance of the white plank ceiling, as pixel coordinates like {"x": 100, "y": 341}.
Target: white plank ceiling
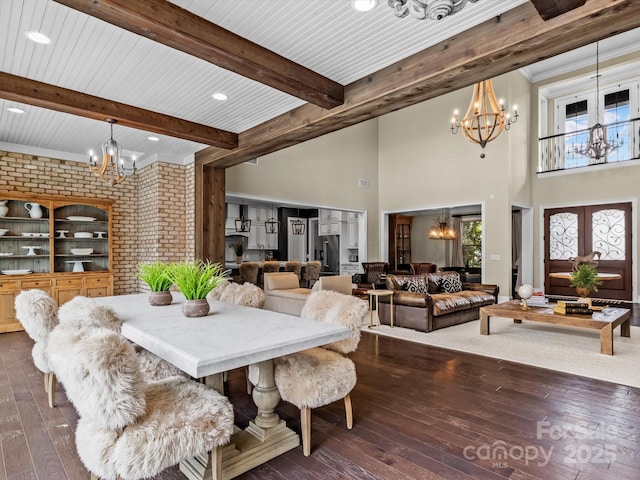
{"x": 91, "y": 56}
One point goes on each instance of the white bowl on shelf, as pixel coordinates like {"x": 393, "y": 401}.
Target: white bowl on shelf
{"x": 83, "y": 235}
{"x": 3, "y": 231}
{"x": 81, "y": 251}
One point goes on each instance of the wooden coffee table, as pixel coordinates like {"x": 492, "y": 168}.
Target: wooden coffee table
{"x": 605, "y": 320}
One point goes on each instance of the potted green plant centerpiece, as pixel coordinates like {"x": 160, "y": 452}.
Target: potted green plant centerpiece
{"x": 238, "y": 250}
{"x": 585, "y": 279}
{"x": 195, "y": 280}
{"x": 154, "y": 275}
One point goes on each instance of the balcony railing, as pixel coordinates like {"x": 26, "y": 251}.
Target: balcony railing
{"x": 562, "y": 151}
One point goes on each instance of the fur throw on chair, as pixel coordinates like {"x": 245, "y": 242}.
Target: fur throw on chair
{"x": 246, "y": 294}
{"x": 127, "y": 428}
{"x": 333, "y": 307}
{"x": 82, "y": 313}
{"x": 38, "y": 314}
{"x": 315, "y": 377}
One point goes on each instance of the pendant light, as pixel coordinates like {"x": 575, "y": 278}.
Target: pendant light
{"x": 243, "y": 225}
{"x": 297, "y": 226}
{"x": 272, "y": 225}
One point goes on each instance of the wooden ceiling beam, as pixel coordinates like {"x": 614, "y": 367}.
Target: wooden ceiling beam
{"x": 548, "y": 9}
{"x": 510, "y": 41}
{"x": 171, "y": 25}
{"x": 49, "y": 96}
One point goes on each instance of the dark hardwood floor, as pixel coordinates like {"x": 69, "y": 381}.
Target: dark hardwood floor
{"x": 420, "y": 413}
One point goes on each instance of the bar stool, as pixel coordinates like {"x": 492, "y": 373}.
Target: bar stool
{"x": 268, "y": 267}
{"x": 295, "y": 267}
{"x": 311, "y": 272}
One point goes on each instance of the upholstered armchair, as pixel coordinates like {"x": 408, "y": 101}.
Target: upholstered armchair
{"x": 419, "y": 268}
{"x": 372, "y": 276}
{"x": 320, "y": 376}
{"x": 127, "y": 428}
{"x": 247, "y": 294}
{"x": 38, "y": 314}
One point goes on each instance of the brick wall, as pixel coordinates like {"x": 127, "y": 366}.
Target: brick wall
{"x": 152, "y": 211}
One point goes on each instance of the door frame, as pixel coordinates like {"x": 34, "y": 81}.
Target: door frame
{"x": 634, "y": 236}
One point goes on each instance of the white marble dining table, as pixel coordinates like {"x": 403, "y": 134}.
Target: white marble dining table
{"x": 231, "y": 336}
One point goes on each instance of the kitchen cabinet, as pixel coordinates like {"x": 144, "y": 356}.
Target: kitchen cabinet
{"x": 329, "y": 222}
{"x": 352, "y": 233}
{"x": 65, "y": 250}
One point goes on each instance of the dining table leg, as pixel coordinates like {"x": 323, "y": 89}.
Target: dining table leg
{"x": 266, "y": 437}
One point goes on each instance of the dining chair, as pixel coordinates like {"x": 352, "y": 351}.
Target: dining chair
{"x": 294, "y": 266}
{"x": 127, "y": 428}
{"x": 322, "y": 375}
{"x": 311, "y": 272}
{"x": 38, "y": 314}
{"x": 84, "y": 313}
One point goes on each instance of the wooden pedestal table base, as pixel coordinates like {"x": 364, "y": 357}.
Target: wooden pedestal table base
{"x": 266, "y": 437}
{"x": 374, "y": 318}
{"x": 605, "y": 320}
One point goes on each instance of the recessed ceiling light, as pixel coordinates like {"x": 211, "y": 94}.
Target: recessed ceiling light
{"x": 364, "y": 5}
{"x": 219, "y": 96}
{"x": 38, "y": 37}
{"x": 15, "y": 110}
{"x": 153, "y": 139}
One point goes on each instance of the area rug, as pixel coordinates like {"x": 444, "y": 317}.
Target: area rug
{"x": 571, "y": 350}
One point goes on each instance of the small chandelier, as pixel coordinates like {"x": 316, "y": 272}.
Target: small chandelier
{"x": 485, "y": 118}
{"x": 112, "y": 169}
{"x": 427, "y": 9}
{"x": 272, "y": 225}
{"x": 441, "y": 230}
{"x": 243, "y": 224}
{"x": 297, "y": 226}
{"x": 599, "y": 146}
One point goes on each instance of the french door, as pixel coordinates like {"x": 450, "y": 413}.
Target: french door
{"x": 577, "y": 231}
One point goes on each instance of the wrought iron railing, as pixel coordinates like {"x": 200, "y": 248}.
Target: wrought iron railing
{"x": 563, "y": 151}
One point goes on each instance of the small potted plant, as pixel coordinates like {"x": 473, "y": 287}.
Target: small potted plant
{"x": 585, "y": 279}
{"x": 195, "y": 280}
{"x": 238, "y": 250}
{"x": 154, "y": 275}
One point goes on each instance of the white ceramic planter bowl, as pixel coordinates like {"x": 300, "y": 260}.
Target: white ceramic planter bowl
{"x": 81, "y": 251}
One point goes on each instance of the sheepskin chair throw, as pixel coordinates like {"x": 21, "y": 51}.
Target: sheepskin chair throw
{"x": 314, "y": 377}
{"x": 333, "y": 307}
{"x": 246, "y": 294}
{"x": 38, "y": 314}
{"x": 84, "y": 313}
{"x": 127, "y": 428}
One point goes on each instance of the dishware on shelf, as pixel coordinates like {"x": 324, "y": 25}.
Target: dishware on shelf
{"x": 100, "y": 234}
{"x": 77, "y": 218}
{"x": 27, "y": 234}
{"x": 32, "y": 249}
{"x": 3, "y": 208}
{"x": 34, "y": 209}
{"x": 83, "y": 235}
{"x": 61, "y": 233}
{"x": 3, "y": 231}
{"x": 5, "y": 254}
{"x": 77, "y": 265}
{"x": 15, "y": 272}
{"x": 81, "y": 251}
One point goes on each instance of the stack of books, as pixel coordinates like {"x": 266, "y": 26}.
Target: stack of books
{"x": 538, "y": 300}
{"x": 573, "y": 307}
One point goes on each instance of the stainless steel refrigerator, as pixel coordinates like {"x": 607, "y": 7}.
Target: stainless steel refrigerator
{"x": 330, "y": 254}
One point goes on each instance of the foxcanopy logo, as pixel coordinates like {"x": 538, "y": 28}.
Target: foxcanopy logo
{"x": 499, "y": 452}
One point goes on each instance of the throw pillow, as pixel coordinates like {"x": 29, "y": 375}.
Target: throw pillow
{"x": 433, "y": 285}
{"x": 451, "y": 284}
{"x": 416, "y": 284}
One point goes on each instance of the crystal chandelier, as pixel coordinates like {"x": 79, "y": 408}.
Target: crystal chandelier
{"x": 486, "y": 116}
{"x": 427, "y": 9}
{"x": 112, "y": 169}
{"x": 599, "y": 145}
{"x": 441, "y": 230}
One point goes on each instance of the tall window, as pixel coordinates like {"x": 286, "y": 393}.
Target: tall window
{"x": 471, "y": 242}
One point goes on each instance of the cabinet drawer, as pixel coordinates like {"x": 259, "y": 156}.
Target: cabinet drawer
{"x": 10, "y": 285}
{"x": 97, "y": 281}
{"x": 66, "y": 282}
{"x": 35, "y": 283}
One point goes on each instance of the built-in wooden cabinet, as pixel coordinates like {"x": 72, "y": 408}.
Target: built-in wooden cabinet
{"x": 329, "y": 222}
{"x": 399, "y": 241}
{"x": 61, "y": 245}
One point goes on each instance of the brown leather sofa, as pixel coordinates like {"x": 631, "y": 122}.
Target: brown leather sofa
{"x": 435, "y": 308}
